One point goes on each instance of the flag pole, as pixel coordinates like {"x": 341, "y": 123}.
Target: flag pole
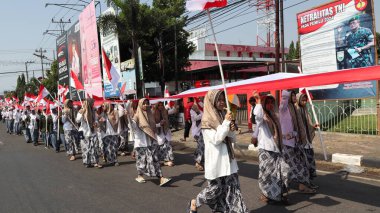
{"x": 219, "y": 62}
{"x": 221, "y": 72}
{"x": 59, "y": 105}
{"x": 316, "y": 120}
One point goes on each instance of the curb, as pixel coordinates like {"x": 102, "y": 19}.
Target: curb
{"x": 190, "y": 146}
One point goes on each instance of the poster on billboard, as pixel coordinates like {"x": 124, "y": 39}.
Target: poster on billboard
{"x": 91, "y": 73}
{"x": 129, "y": 76}
{"x": 110, "y": 44}
{"x": 63, "y": 70}
{"x": 74, "y": 57}
{"x": 338, "y": 36}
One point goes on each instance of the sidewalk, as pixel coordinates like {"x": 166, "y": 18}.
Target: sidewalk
{"x": 367, "y": 146}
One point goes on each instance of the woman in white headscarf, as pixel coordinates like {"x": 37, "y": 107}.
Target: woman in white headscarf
{"x": 145, "y": 152}
{"x": 222, "y": 193}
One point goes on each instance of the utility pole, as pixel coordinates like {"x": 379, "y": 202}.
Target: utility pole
{"x": 162, "y": 64}
{"x": 41, "y": 56}
{"x": 26, "y": 70}
{"x": 139, "y": 81}
{"x": 282, "y": 36}
{"x": 175, "y": 58}
{"x": 61, "y": 24}
{"x": 276, "y": 38}
{"x": 277, "y": 46}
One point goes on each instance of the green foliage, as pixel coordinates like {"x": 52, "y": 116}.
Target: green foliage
{"x": 20, "y": 87}
{"x": 50, "y": 82}
{"x": 298, "y": 50}
{"x": 162, "y": 18}
{"x": 292, "y": 52}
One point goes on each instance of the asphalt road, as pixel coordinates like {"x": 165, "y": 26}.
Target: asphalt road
{"x": 34, "y": 179}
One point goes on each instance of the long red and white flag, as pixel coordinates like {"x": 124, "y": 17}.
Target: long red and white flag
{"x": 74, "y": 81}
{"x": 112, "y": 74}
{"x": 194, "y": 5}
{"x": 42, "y": 93}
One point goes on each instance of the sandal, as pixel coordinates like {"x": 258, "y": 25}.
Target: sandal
{"x": 264, "y": 199}
{"x": 189, "y": 208}
{"x": 140, "y": 180}
{"x": 308, "y": 191}
{"x": 165, "y": 181}
{"x": 313, "y": 186}
{"x": 98, "y": 166}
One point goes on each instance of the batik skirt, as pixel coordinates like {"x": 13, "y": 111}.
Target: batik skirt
{"x": 89, "y": 154}
{"x": 223, "y": 195}
{"x": 70, "y": 138}
{"x": 147, "y": 161}
{"x": 273, "y": 175}
{"x": 311, "y": 163}
{"x": 110, "y": 147}
{"x": 295, "y": 157}
{"x": 165, "y": 152}
{"x": 199, "y": 153}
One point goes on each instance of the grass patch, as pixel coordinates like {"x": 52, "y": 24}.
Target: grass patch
{"x": 363, "y": 124}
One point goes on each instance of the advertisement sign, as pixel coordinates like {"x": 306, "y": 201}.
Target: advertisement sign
{"x": 110, "y": 44}
{"x": 129, "y": 76}
{"x": 63, "y": 69}
{"x": 91, "y": 73}
{"x": 74, "y": 56}
{"x": 337, "y": 36}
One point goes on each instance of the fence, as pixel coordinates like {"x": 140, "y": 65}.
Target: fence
{"x": 346, "y": 116}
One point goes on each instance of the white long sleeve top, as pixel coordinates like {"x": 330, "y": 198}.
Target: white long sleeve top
{"x": 217, "y": 161}
{"x": 287, "y": 123}
{"x": 67, "y": 125}
{"x": 141, "y": 139}
{"x": 84, "y": 126}
{"x": 264, "y": 135}
{"x": 195, "y": 130}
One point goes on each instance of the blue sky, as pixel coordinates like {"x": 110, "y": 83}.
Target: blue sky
{"x": 23, "y": 23}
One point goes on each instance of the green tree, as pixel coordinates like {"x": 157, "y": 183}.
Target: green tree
{"x": 20, "y": 87}
{"x": 297, "y": 54}
{"x": 50, "y": 82}
{"x": 292, "y": 52}
{"x": 155, "y": 33}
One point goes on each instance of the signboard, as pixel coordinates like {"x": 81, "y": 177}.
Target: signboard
{"x": 129, "y": 76}
{"x": 91, "y": 73}
{"x": 110, "y": 44}
{"x": 63, "y": 69}
{"x": 74, "y": 56}
{"x": 337, "y": 36}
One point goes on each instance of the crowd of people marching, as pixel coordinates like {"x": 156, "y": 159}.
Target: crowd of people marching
{"x": 101, "y": 133}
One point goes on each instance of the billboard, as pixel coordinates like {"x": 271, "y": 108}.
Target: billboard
{"x": 74, "y": 60}
{"x": 337, "y": 36}
{"x": 63, "y": 69}
{"x": 110, "y": 44}
{"x": 91, "y": 73}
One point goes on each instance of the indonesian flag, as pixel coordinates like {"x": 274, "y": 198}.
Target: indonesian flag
{"x": 42, "y": 93}
{"x": 74, "y": 81}
{"x": 62, "y": 90}
{"x": 29, "y": 97}
{"x": 7, "y": 100}
{"x": 111, "y": 71}
{"x": 15, "y": 99}
{"x": 166, "y": 92}
{"x": 122, "y": 90}
{"x": 194, "y": 5}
